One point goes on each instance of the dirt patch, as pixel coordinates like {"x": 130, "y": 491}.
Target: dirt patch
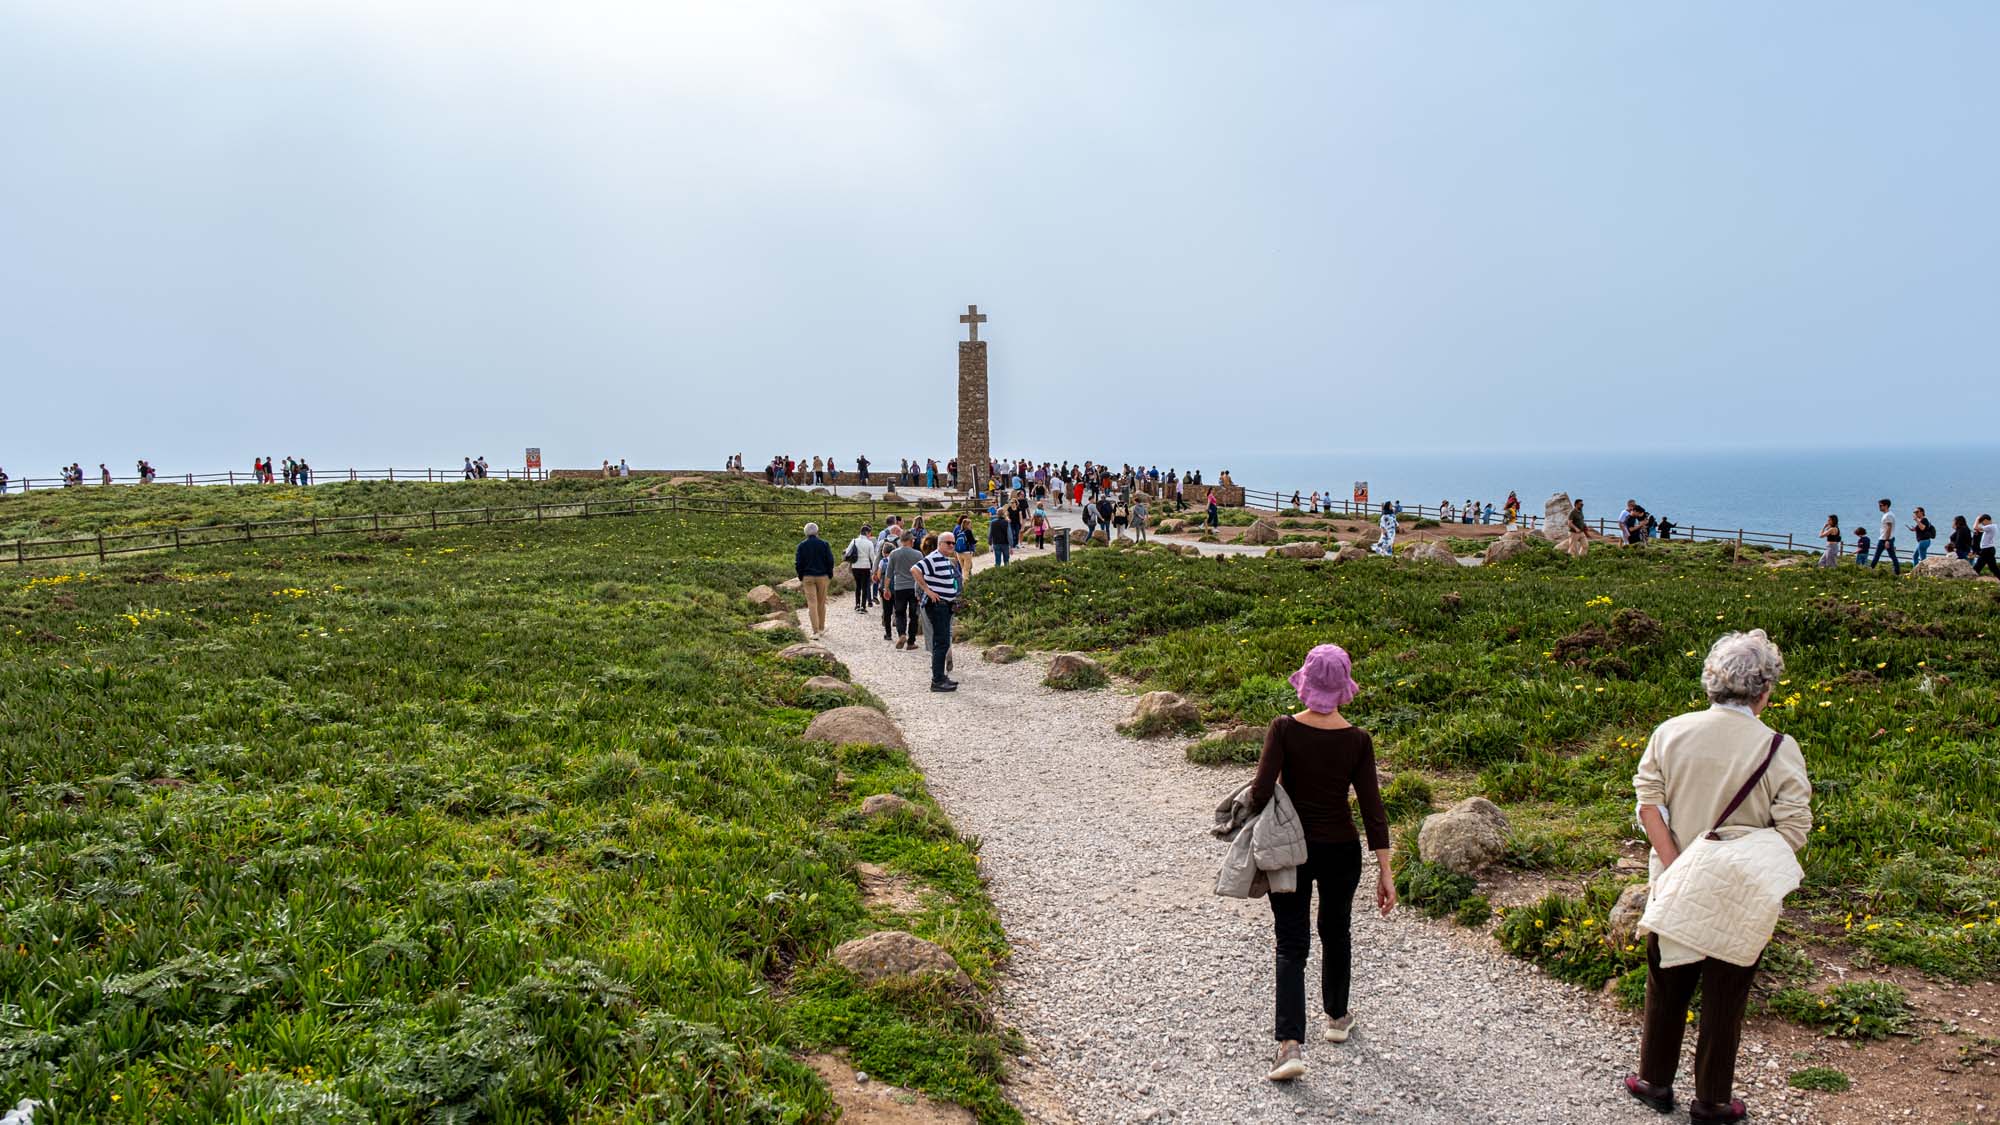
{"x": 878, "y": 1103}
{"x": 882, "y": 887}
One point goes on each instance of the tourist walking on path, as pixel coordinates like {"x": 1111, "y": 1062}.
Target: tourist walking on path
{"x": 1703, "y": 771}
{"x": 938, "y": 583}
{"x": 1319, "y": 757}
{"x": 1141, "y": 513}
{"x": 1887, "y": 542}
{"x": 902, "y": 608}
{"x": 1984, "y": 530}
{"x": 1959, "y": 544}
{"x": 1089, "y": 520}
{"x": 1860, "y": 546}
{"x": 1578, "y": 540}
{"x": 1121, "y": 517}
{"x": 861, "y": 560}
{"x": 1214, "y": 513}
{"x": 814, "y": 563}
{"x": 1387, "y": 544}
{"x": 1830, "y": 532}
{"x": 1925, "y": 531}
{"x": 999, "y": 533}
{"x": 861, "y": 470}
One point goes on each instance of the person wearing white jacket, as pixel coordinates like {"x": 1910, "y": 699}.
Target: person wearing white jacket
{"x": 1705, "y": 770}
{"x": 861, "y": 559}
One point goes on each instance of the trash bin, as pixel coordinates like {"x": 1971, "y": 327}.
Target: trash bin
{"x": 1062, "y": 544}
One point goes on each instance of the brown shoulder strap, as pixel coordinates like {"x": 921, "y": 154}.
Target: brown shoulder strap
{"x": 1777, "y": 739}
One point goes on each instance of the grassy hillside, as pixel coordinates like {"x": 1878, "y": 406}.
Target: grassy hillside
{"x": 1535, "y": 683}
{"x": 507, "y": 824}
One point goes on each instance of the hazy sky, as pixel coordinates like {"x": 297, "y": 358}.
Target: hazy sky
{"x": 391, "y": 231}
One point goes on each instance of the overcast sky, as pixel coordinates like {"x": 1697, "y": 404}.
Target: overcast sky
{"x": 391, "y": 231}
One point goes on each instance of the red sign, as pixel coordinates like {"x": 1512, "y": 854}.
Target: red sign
{"x": 1361, "y": 492}
{"x": 534, "y": 458}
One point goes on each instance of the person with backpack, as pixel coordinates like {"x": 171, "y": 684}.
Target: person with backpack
{"x": 1715, "y": 778}
{"x": 861, "y": 560}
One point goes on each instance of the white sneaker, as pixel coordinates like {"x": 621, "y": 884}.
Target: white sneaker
{"x": 1290, "y": 1063}
{"x": 1338, "y": 1030}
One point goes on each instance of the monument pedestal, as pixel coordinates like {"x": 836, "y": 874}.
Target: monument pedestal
{"x": 975, "y": 451}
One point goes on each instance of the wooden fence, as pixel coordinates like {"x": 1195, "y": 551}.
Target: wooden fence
{"x": 332, "y": 476}
{"x": 103, "y": 545}
{"x": 1276, "y": 502}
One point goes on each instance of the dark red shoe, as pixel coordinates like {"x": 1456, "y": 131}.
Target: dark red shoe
{"x": 1660, "y": 1099}
{"x": 1699, "y": 1110}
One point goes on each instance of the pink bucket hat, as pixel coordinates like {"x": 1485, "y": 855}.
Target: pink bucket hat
{"x": 1326, "y": 680}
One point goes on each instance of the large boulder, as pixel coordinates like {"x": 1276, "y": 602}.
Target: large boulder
{"x": 843, "y": 726}
{"x": 793, "y": 585}
{"x": 1555, "y": 516}
{"x": 766, "y": 599}
{"x": 771, "y": 625}
{"x": 893, "y": 955}
{"x": 842, "y": 581}
{"x": 1432, "y": 551}
{"x": 1467, "y": 838}
{"x": 1171, "y": 526}
{"x": 1370, "y": 535}
{"x": 1353, "y": 552}
{"x": 1623, "y": 924}
{"x": 1098, "y": 538}
{"x": 1309, "y": 550}
{"x": 1073, "y": 667}
{"x": 1507, "y": 546}
{"x": 1159, "y": 711}
{"x": 1944, "y": 566}
{"x": 1261, "y": 533}
{"x": 829, "y": 684}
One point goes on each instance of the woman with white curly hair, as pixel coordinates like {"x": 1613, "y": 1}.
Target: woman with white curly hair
{"x": 1716, "y": 768}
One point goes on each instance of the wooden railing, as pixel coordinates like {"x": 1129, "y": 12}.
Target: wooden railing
{"x": 102, "y": 545}
{"x": 244, "y": 476}
{"x": 1278, "y": 502}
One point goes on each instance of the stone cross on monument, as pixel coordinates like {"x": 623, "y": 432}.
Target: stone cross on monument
{"x": 975, "y": 454}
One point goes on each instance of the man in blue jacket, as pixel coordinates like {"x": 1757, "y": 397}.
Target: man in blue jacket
{"x": 814, "y": 563}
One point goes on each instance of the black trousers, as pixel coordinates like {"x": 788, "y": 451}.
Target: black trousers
{"x": 861, "y": 587}
{"x": 1336, "y": 869}
{"x": 939, "y": 612}
{"x": 903, "y": 607}
{"x": 1985, "y": 562}
{"x": 1725, "y": 992}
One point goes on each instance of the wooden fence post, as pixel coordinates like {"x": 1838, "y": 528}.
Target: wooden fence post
{"x": 434, "y": 519}
{"x": 392, "y": 474}
{"x": 100, "y": 546}
{"x": 232, "y": 476}
{"x": 177, "y": 539}
{"x": 538, "y": 511}
{"x": 376, "y": 519}
{"x": 246, "y": 531}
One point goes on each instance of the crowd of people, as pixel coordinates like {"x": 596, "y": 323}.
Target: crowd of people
{"x": 296, "y": 471}
{"x": 1969, "y": 542}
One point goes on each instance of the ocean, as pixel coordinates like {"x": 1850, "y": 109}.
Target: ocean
{"x": 1776, "y": 491}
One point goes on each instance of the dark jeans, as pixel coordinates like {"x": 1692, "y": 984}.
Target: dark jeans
{"x": 1001, "y": 554}
{"x": 1985, "y": 562}
{"x": 863, "y": 591}
{"x": 1725, "y": 990}
{"x": 938, "y": 611}
{"x": 1895, "y": 565}
{"x": 1337, "y": 870}
{"x": 903, "y": 608}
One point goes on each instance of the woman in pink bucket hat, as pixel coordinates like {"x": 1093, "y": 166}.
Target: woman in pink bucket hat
{"x": 1320, "y": 756}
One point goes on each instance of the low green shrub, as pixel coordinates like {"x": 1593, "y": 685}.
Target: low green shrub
{"x": 1432, "y": 888}
{"x": 1474, "y": 912}
{"x": 1872, "y": 1009}
{"x": 1082, "y": 679}
{"x": 1566, "y": 936}
{"x": 1223, "y": 752}
{"x": 1824, "y": 1079}
{"x": 1408, "y": 794}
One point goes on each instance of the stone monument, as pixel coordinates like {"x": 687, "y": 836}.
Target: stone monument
{"x": 975, "y": 450}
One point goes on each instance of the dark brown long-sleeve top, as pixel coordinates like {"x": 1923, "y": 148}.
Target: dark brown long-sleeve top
{"x": 1318, "y": 767}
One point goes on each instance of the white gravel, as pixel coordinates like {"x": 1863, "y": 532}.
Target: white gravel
{"x": 1145, "y": 996}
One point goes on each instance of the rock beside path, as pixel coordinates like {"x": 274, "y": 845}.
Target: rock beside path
{"x": 1260, "y": 533}
{"x": 893, "y": 954}
{"x": 766, "y": 599}
{"x": 1623, "y": 924}
{"x": 829, "y": 684}
{"x": 1370, "y": 535}
{"x": 1074, "y": 668}
{"x": 1431, "y": 551}
{"x": 807, "y": 652}
{"x": 1301, "y": 551}
{"x": 792, "y": 585}
{"x": 1555, "y": 516}
{"x": 1001, "y": 654}
{"x": 1157, "y": 712}
{"x": 1944, "y": 566}
{"x": 844, "y": 726}
{"x": 772, "y": 625}
{"x": 1468, "y": 837}
{"x": 1352, "y": 553}
{"x": 884, "y": 804}
{"x": 1508, "y": 546}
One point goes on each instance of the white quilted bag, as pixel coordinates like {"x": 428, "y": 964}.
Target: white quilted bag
{"x": 1721, "y": 898}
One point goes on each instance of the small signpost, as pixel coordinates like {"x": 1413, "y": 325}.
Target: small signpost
{"x": 534, "y": 461}
{"x": 1361, "y": 493}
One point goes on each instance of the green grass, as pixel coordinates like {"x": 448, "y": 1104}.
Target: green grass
{"x": 1852, "y": 1010}
{"x": 1538, "y": 690}
{"x": 1824, "y": 1079}
{"x": 497, "y": 824}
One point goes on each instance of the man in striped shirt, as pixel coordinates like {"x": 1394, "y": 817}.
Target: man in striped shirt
{"x": 939, "y": 582}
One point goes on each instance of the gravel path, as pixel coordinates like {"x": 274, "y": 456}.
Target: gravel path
{"x": 1145, "y": 996}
